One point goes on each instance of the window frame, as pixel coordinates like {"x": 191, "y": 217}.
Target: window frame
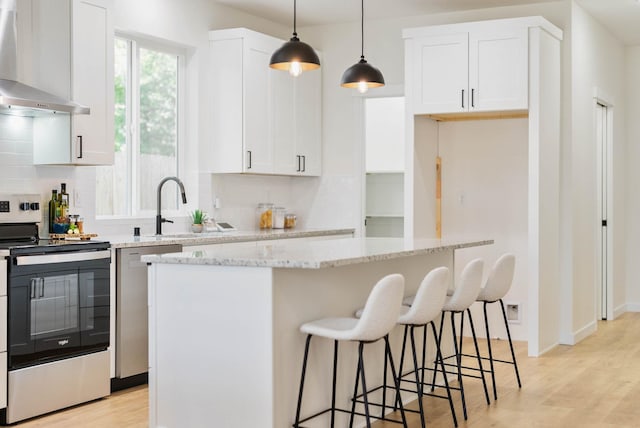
{"x": 132, "y": 132}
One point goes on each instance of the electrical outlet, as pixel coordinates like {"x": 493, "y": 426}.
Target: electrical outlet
{"x": 514, "y": 312}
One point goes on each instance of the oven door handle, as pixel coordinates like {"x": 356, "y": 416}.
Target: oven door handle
{"x": 62, "y": 258}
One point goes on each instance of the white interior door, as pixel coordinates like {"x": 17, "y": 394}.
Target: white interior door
{"x": 603, "y": 171}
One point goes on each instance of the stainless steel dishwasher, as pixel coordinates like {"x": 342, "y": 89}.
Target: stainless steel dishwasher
{"x": 132, "y": 340}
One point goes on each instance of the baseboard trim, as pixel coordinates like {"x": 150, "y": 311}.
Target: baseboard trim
{"x": 621, "y": 310}
{"x": 631, "y": 307}
{"x": 578, "y": 336}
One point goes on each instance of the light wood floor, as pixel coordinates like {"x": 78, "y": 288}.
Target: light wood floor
{"x": 593, "y": 384}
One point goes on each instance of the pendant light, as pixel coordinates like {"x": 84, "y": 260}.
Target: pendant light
{"x": 362, "y": 75}
{"x": 295, "y": 56}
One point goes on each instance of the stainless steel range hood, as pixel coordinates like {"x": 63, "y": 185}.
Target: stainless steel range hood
{"x": 17, "y": 98}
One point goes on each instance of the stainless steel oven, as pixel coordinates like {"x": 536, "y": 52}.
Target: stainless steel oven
{"x": 57, "y": 315}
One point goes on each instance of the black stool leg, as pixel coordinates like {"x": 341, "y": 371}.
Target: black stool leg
{"x": 355, "y": 394}
{"x": 446, "y": 381}
{"x": 513, "y": 355}
{"x": 333, "y": 386}
{"x": 396, "y": 379}
{"x": 304, "y": 370}
{"x": 364, "y": 383}
{"x": 404, "y": 345}
{"x": 384, "y": 388}
{"x": 424, "y": 355}
{"x": 459, "y": 362}
{"x": 418, "y": 383}
{"x": 493, "y": 373}
{"x": 475, "y": 343}
{"x": 435, "y": 367}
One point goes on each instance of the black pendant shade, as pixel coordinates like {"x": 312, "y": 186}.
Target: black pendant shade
{"x": 362, "y": 75}
{"x": 295, "y": 51}
{"x": 295, "y": 56}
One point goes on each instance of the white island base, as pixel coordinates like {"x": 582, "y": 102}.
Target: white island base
{"x": 225, "y": 347}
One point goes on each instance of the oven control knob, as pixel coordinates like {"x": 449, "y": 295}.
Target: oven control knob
{"x": 24, "y": 206}
{"x": 35, "y": 206}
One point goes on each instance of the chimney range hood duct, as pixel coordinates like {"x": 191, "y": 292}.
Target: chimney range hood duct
{"x": 17, "y": 98}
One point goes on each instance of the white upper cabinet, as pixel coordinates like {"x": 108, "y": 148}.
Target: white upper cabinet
{"x": 73, "y": 58}
{"x": 264, "y": 121}
{"x": 474, "y": 67}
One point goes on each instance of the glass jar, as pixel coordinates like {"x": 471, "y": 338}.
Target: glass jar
{"x": 264, "y": 215}
{"x": 289, "y": 221}
{"x": 278, "y": 217}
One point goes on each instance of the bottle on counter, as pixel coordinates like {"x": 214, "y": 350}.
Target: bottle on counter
{"x": 264, "y": 214}
{"x": 278, "y": 217}
{"x": 64, "y": 196}
{"x": 53, "y": 206}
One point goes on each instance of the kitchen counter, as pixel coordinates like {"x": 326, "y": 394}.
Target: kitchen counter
{"x": 224, "y": 325}
{"x": 316, "y": 255}
{"x": 204, "y": 238}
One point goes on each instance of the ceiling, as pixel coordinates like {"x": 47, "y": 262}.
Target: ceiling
{"x": 621, "y": 17}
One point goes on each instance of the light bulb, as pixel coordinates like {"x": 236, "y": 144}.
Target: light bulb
{"x": 362, "y": 87}
{"x": 295, "y": 68}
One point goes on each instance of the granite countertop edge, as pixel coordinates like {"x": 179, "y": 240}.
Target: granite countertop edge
{"x": 282, "y": 261}
{"x": 213, "y": 238}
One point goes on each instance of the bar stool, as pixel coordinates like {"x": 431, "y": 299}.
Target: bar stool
{"x": 465, "y": 294}
{"x": 424, "y": 308}
{"x": 379, "y": 316}
{"x": 497, "y": 285}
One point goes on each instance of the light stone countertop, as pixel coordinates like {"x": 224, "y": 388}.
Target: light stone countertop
{"x": 204, "y": 238}
{"x": 315, "y": 254}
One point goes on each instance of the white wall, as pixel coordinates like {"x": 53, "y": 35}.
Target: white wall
{"x": 597, "y": 61}
{"x": 483, "y": 191}
{"x": 633, "y": 177}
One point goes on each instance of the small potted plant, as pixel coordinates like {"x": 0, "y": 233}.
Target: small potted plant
{"x": 198, "y": 218}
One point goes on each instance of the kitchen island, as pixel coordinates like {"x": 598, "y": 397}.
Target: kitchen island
{"x": 224, "y": 341}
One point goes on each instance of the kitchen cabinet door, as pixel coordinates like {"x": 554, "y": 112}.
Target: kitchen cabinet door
{"x": 441, "y": 70}
{"x": 258, "y": 142}
{"x": 308, "y": 123}
{"x": 283, "y": 125}
{"x": 73, "y": 58}
{"x": 498, "y": 69}
{"x": 92, "y": 83}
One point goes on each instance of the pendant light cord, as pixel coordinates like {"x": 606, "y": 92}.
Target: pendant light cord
{"x": 362, "y": 30}
{"x": 295, "y": 34}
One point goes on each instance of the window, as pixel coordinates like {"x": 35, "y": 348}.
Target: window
{"x": 148, "y": 93}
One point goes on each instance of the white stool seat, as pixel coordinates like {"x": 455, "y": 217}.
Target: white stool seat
{"x": 331, "y": 328}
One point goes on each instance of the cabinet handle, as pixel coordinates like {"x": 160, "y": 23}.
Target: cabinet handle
{"x": 304, "y": 163}
{"x": 473, "y": 91}
{"x": 249, "y": 152}
{"x": 79, "y": 146}
{"x": 33, "y": 288}
{"x": 298, "y": 158}
{"x": 463, "y": 98}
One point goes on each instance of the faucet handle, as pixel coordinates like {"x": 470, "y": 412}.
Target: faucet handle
{"x": 164, "y": 220}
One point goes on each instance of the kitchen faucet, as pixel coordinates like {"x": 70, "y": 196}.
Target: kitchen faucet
{"x": 159, "y": 219}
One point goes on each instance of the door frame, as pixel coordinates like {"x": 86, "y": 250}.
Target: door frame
{"x": 393, "y": 90}
{"x": 600, "y": 97}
